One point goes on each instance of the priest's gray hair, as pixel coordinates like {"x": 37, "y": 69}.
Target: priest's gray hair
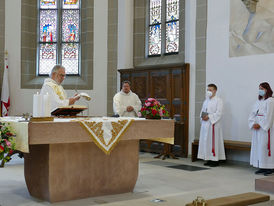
{"x": 55, "y": 69}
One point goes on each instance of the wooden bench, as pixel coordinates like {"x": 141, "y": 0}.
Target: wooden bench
{"x": 228, "y": 144}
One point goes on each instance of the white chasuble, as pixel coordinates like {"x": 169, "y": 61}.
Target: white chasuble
{"x": 211, "y": 143}
{"x": 262, "y": 146}
{"x": 56, "y": 93}
{"x": 122, "y": 100}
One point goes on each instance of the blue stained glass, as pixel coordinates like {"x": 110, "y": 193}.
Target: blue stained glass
{"x": 48, "y": 21}
{"x": 70, "y": 25}
{"x": 172, "y": 37}
{"x": 154, "y": 40}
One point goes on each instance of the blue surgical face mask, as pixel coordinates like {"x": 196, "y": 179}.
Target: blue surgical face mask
{"x": 261, "y": 92}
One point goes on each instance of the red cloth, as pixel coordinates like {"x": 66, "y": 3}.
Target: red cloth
{"x": 213, "y": 139}
{"x": 5, "y": 96}
{"x": 268, "y": 144}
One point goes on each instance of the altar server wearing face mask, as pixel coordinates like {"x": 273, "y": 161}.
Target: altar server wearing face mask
{"x": 211, "y": 143}
{"x": 261, "y": 124}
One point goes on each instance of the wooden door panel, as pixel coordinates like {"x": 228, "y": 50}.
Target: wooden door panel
{"x": 160, "y": 87}
{"x": 160, "y": 84}
{"x": 140, "y": 84}
{"x": 177, "y": 83}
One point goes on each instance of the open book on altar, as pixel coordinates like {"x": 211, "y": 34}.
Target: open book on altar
{"x": 72, "y": 110}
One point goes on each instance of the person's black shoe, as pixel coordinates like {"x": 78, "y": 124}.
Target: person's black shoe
{"x": 268, "y": 172}
{"x": 260, "y": 171}
{"x": 207, "y": 163}
{"x": 214, "y": 164}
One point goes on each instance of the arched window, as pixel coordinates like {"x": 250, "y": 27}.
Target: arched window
{"x": 163, "y": 38}
{"x": 59, "y": 36}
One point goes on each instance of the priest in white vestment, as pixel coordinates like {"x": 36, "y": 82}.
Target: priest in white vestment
{"x": 53, "y": 87}
{"x": 126, "y": 103}
{"x": 211, "y": 143}
{"x": 261, "y": 124}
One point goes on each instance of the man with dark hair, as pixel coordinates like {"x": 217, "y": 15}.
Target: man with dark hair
{"x": 211, "y": 143}
{"x": 213, "y": 86}
{"x": 126, "y": 103}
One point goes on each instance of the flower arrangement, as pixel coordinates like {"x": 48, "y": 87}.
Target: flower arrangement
{"x": 7, "y": 144}
{"x": 152, "y": 109}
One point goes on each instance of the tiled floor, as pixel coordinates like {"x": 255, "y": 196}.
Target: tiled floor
{"x": 157, "y": 180}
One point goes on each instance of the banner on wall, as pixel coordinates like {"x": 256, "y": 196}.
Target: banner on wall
{"x": 5, "y": 96}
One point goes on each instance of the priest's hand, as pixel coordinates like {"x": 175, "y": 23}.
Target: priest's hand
{"x": 130, "y": 109}
{"x": 72, "y": 100}
{"x": 256, "y": 126}
{"x": 205, "y": 118}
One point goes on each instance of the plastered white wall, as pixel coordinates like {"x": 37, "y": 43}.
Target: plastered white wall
{"x": 125, "y": 36}
{"x": 237, "y": 78}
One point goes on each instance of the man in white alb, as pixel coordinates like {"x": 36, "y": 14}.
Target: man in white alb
{"x": 211, "y": 143}
{"x": 126, "y": 103}
{"x": 53, "y": 87}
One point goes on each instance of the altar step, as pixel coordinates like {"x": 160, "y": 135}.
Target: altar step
{"x": 265, "y": 184}
{"x": 249, "y": 198}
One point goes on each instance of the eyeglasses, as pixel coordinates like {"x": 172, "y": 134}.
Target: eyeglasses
{"x": 62, "y": 75}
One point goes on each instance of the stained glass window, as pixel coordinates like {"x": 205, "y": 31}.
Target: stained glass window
{"x": 172, "y": 10}
{"x": 70, "y": 26}
{"x": 71, "y": 4}
{"x": 48, "y": 4}
{"x": 70, "y": 57}
{"x": 48, "y": 23}
{"x": 166, "y": 35}
{"x": 59, "y": 36}
{"x": 47, "y": 58}
{"x": 172, "y": 37}
{"x": 154, "y": 41}
{"x": 172, "y": 26}
{"x": 155, "y": 11}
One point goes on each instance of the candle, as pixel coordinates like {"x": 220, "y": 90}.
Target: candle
{"x": 46, "y": 106}
{"x": 37, "y": 105}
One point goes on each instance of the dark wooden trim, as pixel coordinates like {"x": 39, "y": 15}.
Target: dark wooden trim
{"x": 153, "y": 67}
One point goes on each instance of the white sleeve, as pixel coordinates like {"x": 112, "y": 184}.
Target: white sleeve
{"x": 118, "y": 108}
{"x": 137, "y": 105}
{"x": 55, "y": 100}
{"x": 267, "y": 122}
{"x": 252, "y": 116}
{"x": 215, "y": 117}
